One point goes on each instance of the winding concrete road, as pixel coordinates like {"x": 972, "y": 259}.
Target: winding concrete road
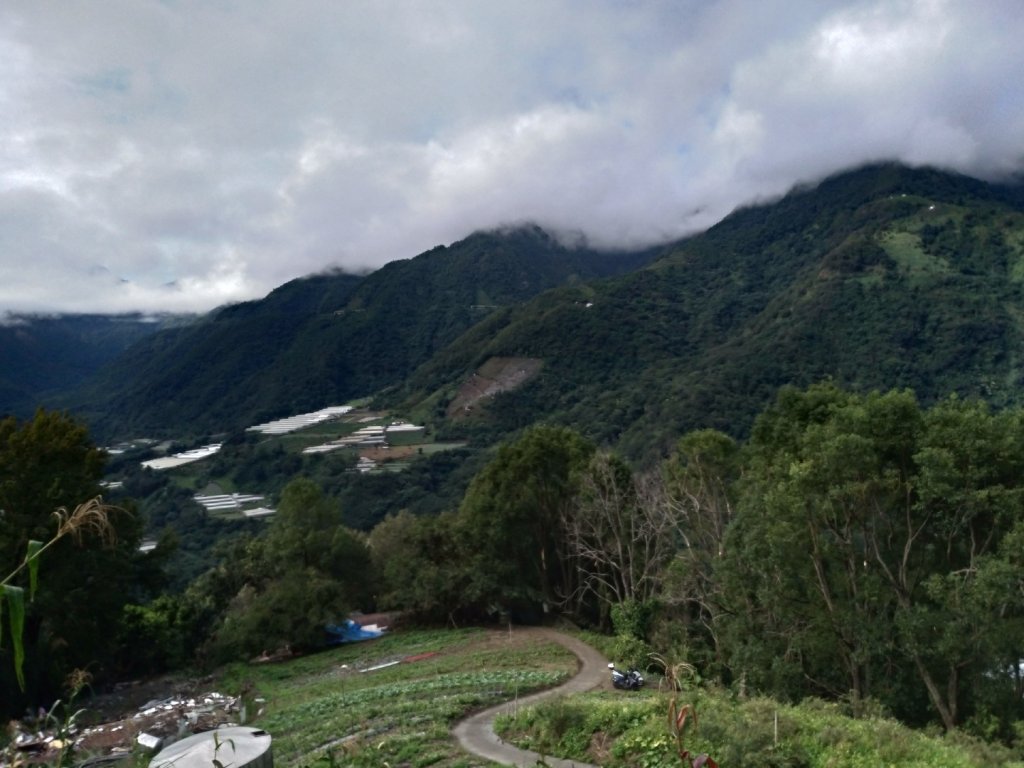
{"x": 476, "y": 733}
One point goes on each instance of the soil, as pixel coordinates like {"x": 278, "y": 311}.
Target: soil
{"x": 388, "y": 453}
{"x": 499, "y": 374}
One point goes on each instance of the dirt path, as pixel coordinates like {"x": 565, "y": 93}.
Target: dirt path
{"x": 476, "y": 733}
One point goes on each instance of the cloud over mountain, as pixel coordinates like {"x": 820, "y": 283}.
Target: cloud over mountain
{"x": 201, "y": 153}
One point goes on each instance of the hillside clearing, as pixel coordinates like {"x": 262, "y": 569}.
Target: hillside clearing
{"x": 498, "y": 374}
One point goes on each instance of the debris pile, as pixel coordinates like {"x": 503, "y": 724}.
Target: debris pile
{"x": 152, "y": 726}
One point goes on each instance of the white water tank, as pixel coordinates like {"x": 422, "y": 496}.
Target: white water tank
{"x": 233, "y": 747}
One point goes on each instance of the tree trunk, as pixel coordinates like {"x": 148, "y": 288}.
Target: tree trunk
{"x": 947, "y": 713}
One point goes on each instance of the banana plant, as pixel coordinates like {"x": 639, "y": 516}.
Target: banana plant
{"x": 681, "y": 716}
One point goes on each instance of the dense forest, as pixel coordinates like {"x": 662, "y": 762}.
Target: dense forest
{"x": 882, "y": 277}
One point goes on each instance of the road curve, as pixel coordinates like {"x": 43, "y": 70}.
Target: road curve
{"x": 476, "y": 733}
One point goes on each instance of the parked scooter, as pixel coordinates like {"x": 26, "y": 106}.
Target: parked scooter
{"x": 627, "y": 681}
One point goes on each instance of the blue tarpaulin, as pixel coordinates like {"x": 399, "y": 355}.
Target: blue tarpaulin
{"x": 350, "y": 632}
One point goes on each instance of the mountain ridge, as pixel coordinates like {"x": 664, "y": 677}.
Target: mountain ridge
{"x": 819, "y": 284}
{"x": 878, "y": 277}
{"x": 330, "y": 337}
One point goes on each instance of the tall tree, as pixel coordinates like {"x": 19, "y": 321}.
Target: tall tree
{"x": 863, "y": 528}
{"x": 698, "y": 483}
{"x": 510, "y": 521}
{"x": 619, "y": 532}
{"x": 967, "y": 497}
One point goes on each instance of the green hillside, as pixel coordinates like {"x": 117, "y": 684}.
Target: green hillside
{"x": 227, "y": 365}
{"x": 885, "y": 276}
{"x": 881, "y": 277}
{"x": 321, "y": 708}
{"x": 329, "y": 338}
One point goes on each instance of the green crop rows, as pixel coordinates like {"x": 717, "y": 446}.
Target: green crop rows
{"x": 331, "y": 709}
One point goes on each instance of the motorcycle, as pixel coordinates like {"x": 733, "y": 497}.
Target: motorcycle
{"x": 626, "y": 681}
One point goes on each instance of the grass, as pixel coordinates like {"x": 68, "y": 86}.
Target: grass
{"x": 906, "y": 249}
{"x": 327, "y": 709}
{"x": 620, "y": 730}
{"x": 427, "y": 448}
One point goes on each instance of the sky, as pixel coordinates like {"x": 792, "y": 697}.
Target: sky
{"x": 178, "y": 155}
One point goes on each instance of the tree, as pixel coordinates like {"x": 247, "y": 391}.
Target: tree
{"x": 863, "y": 531}
{"x": 419, "y": 565}
{"x": 619, "y": 534}
{"x": 938, "y": 558}
{"x": 510, "y": 521}
{"x": 45, "y": 464}
{"x": 49, "y": 464}
{"x": 308, "y": 571}
{"x": 90, "y": 516}
{"x": 822, "y": 466}
{"x": 698, "y": 485}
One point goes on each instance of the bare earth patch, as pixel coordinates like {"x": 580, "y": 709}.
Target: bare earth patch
{"x": 388, "y": 453}
{"x": 499, "y": 374}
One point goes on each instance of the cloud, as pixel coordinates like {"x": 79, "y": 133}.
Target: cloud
{"x": 177, "y": 155}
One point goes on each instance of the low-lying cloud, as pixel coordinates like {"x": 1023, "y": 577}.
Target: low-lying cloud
{"x": 174, "y": 156}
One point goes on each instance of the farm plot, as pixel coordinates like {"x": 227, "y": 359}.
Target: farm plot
{"x": 393, "y": 700}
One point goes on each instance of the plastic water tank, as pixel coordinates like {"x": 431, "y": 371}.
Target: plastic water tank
{"x": 233, "y": 747}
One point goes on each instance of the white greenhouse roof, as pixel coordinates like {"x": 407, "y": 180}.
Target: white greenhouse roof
{"x": 292, "y": 423}
{"x": 185, "y": 457}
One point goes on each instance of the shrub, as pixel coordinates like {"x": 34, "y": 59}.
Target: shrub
{"x": 631, "y": 652}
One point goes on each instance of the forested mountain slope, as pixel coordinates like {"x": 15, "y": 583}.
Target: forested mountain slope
{"x": 43, "y": 356}
{"x": 881, "y": 277}
{"x": 328, "y": 338}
